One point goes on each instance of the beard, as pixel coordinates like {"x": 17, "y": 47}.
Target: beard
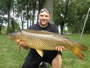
{"x": 43, "y": 23}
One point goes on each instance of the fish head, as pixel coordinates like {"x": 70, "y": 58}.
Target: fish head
{"x": 14, "y": 36}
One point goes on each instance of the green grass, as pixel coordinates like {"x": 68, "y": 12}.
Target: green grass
{"x": 70, "y": 61}
{"x": 10, "y": 58}
{"x": 9, "y": 55}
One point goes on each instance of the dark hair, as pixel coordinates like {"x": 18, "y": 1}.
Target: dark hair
{"x": 44, "y": 10}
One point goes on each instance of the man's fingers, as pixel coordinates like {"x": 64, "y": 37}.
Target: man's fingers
{"x": 18, "y": 41}
{"x": 21, "y": 43}
{"x": 26, "y": 47}
{"x": 19, "y": 48}
{"x": 60, "y": 48}
{"x": 63, "y": 48}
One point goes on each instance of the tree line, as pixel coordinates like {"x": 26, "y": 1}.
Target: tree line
{"x": 70, "y": 13}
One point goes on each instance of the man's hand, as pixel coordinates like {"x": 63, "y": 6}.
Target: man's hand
{"x": 60, "y": 48}
{"x": 22, "y": 44}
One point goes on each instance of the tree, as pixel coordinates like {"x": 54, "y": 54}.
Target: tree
{"x": 75, "y": 16}
{"x": 61, "y": 12}
{"x": 5, "y": 8}
{"x": 26, "y": 10}
{"x": 1, "y": 20}
{"x": 78, "y": 11}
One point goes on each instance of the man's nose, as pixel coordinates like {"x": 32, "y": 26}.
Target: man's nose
{"x": 44, "y": 17}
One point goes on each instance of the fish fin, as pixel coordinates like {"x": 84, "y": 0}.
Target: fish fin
{"x": 77, "y": 52}
{"x": 40, "y": 52}
{"x": 19, "y": 48}
{"x": 82, "y": 47}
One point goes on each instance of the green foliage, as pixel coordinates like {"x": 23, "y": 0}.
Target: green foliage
{"x": 87, "y": 28}
{"x": 77, "y": 11}
{"x": 59, "y": 9}
{"x": 4, "y": 29}
{"x": 16, "y": 26}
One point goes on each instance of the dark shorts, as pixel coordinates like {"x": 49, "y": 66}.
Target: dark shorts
{"x": 33, "y": 59}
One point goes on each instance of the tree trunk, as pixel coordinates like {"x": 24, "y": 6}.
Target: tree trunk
{"x": 22, "y": 22}
{"x": 34, "y": 7}
{"x": 9, "y": 7}
{"x": 64, "y": 19}
{"x": 0, "y": 27}
{"x": 13, "y": 25}
{"x": 62, "y": 27}
{"x": 8, "y": 26}
{"x": 27, "y": 12}
{"x": 40, "y": 4}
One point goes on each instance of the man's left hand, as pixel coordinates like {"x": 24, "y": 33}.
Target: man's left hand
{"x": 60, "y": 48}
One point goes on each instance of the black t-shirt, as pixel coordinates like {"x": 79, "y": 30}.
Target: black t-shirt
{"x": 50, "y": 27}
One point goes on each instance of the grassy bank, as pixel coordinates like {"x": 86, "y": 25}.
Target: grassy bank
{"x": 9, "y": 55}
{"x": 10, "y": 58}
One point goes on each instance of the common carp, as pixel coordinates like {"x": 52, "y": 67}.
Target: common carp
{"x": 44, "y": 40}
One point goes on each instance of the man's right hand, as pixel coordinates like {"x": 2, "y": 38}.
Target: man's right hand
{"x": 22, "y": 44}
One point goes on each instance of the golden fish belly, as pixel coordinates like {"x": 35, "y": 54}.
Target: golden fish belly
{"x": 42, "y": 44}
{"x": 45, "y": 43}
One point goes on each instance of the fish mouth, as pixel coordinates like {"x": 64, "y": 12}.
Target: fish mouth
{"x": 11, "y": 37}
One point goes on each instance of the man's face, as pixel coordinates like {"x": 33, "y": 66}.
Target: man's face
{"x": 44, "y": 17}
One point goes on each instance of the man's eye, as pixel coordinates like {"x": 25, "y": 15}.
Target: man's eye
{"x": 46, "y": 16}
{"x": 42, "y": 15}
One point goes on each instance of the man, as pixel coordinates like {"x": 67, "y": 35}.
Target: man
{"x": 53, "y": 57}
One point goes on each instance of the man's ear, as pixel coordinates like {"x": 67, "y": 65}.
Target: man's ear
{"x": 38, "y": 16}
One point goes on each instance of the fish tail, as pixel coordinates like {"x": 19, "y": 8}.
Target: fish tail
{"x": 77, "y": 52}
{"x": 82, "y": 47}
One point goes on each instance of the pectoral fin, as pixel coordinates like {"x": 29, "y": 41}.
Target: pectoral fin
{"x": 19, "y": 48}
{"x": 40, "y": 52}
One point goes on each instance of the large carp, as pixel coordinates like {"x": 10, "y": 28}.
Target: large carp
{"x": 44, "y": 40}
